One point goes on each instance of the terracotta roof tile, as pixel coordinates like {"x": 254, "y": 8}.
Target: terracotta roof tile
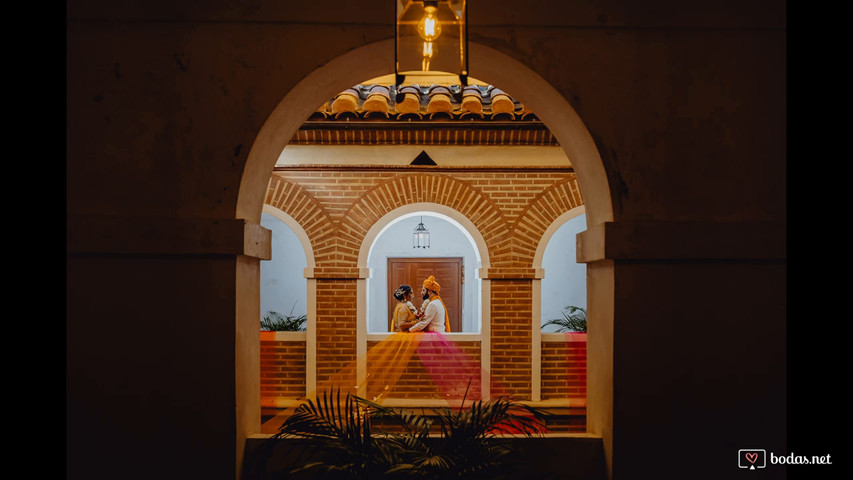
{"x": 423, "y": 99}
{"x": 388, "y": 114}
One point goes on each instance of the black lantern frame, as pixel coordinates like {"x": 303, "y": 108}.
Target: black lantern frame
{"x": 420, "y": 237}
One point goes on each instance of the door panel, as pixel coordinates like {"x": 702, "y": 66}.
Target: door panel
{"x": 413, "y": 271}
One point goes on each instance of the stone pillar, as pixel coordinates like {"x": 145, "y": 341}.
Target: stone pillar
{"x": 690, "y": 343}
{"x": 161, "y": 380}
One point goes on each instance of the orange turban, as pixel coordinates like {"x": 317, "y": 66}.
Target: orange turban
{"x": 431, "y": 284}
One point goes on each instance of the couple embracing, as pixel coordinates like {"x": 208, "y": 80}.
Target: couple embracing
{"x": 432, "y": 317}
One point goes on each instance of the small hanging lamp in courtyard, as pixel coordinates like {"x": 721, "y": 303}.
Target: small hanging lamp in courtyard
{"x": 420, "y": 237}
{"x": 432, "y": 39}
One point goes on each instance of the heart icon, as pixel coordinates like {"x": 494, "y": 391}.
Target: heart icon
{"x": 752, "y": 457}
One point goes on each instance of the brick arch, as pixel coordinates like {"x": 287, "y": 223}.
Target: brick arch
{"x": 541, "y": 213}
{"x": 295, "y": 201}
{"x": 418, "y": 188}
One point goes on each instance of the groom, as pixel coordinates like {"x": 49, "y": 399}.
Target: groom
{"x": 435, "y": 317}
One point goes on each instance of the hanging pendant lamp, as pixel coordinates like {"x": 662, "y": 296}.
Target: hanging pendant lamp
{"x": 420, "y": 237}
{"x": 431, "y": 39}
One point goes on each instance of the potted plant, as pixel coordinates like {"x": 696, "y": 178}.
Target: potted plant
{"x": 573, "y": 320}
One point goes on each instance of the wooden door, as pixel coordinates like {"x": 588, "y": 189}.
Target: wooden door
{"x": 413, "y": 271}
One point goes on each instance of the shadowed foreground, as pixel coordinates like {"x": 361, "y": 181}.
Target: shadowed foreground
{"x": 548, "y": 457}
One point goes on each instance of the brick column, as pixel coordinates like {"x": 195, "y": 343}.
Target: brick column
{"x": 336, "y": 326}
{"x": 511, "y": 337}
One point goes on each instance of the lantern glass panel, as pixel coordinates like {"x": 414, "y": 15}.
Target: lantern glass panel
{"x": 431, "y": 41}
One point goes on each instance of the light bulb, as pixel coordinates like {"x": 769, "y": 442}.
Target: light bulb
{"x": 429, "y": 28}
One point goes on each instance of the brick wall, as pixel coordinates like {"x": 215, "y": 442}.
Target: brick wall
{"x": 510, "y": 207}
{"x": 336, "y": 327}
{"x": 337, "y": 206}
{"x": 511, "y": 338}
{"x": 282, "y": 369}
{"x": 564, "y": 369}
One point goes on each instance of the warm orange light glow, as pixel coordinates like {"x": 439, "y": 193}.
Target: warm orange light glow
{"x": 429, "y": 27}
{"x": 413, "y": 365}
{"x": 431, "y": 39}
{"x": 428, "y": 53}
{"x": 390, "y": 359}
{"x": 439, "y": 366}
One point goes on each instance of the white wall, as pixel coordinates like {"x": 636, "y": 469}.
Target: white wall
{"x": 565, "y": 279}
{"x": 447, "y": 239}
{"x": 283, "y": 285}
{"x": 467, "y": 155}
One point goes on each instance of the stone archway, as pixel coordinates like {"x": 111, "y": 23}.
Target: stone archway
{"x": 373, "y": 60}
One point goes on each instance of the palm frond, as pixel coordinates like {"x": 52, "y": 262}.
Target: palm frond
{"x": 573, "y": 320}
{"x": 274, "y": 321}
{"x": 340, "y": 441}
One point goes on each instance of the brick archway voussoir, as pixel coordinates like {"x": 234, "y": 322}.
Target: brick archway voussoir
{"x": 539, "y": 215}
{"x": 295, "y": 201}
{"x": 424, "y": 188}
